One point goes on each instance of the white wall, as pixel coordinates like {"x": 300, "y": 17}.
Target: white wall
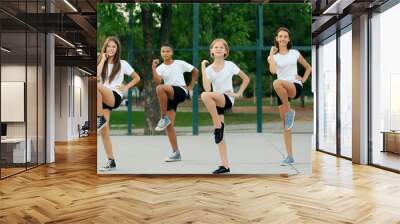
{"x": 80, "y": 100}
{"x": 71, "y": 94}
{"x": 61, "y": 103}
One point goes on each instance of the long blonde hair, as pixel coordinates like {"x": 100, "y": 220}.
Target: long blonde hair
{"x": 116, "y": 60}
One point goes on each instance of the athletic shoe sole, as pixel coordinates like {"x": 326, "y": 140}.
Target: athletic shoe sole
{"x": 287, "y": 164}
{"x": 226, "y": 172}
{"x": 294, "y": 114}
{"x": 221, "y": 173}
{"x": 107, "y": 169}
{"x": 162, "y": 129}
{"x": 172, "y": 160}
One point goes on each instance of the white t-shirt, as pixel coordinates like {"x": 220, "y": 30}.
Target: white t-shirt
{"x": 287, "y": 65}
{"x": 222, "y": 80}
{"x": 173, "y": 74}
{"x": 126, "y": 69}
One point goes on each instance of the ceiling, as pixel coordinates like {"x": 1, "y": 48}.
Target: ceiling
{"x": 330, "y": 13}
{"x": 72, "y": 20}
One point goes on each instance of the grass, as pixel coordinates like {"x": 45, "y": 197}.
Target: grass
{"x": 184, "y": 119}
{"x": 119, "y": 119}
{"x": 272, "y": 103}
{"x": 267, "y": 101}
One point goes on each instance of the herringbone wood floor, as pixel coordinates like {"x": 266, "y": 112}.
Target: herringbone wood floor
{"x": 70, "y": 191}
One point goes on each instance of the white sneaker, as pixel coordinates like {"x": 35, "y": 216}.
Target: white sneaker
{"x": 289, "y": 119}
{"x": 287, "y": 161}
{"x": 175, "y": 156}
{"x": 163, "y": 124}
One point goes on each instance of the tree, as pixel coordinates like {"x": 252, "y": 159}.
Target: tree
{"x": 158, "y": 23}
{"x": 165, "y": 30}
{"x": 110, "y": 22}
{"x": 152, "y": 113}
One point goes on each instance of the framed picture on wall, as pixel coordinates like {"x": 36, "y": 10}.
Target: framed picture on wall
{"x": 12, "y": 101}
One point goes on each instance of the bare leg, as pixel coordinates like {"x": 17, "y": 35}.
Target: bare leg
{"x": 99, "y": 104}
{"x": 287, "y": 134}
{"x": 104, "y": 95}
{"x": 223, "y": 150}
{"x": 105, "y": 135}
{"x": 164, "y": 92}
{"x": 284, "y": 90}
{"x": 171, "y": 130}
{"x": 211, "y": 100}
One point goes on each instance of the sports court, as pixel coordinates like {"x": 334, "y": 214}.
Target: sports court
{"x": 248, "y": 153}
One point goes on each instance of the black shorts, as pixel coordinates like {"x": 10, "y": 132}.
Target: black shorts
{"x": 228, "y": 105}
{"x": 117, "y": 102}
{"x": 299, "y": 90}
{"x": 179, "y": 96}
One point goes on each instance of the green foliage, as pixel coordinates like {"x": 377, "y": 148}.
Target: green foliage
{"x": 295, "y": 17}
{"x": 110, "y": 22}
{"x": 236, "y": 23}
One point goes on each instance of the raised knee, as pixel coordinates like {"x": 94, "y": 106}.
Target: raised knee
{"x": 205, "y": 96}
{"x": 276, "y": 83}
{"x": 99, "y": 86}
{"x": 159, "y": 88}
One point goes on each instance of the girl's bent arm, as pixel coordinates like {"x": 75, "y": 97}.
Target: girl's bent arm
{"x": 206, "y": 81}
{"x": 156, "y": 77}
{"x": 272, "y": 64}
{"x": 195, "y": 76}
{"x": 245, "y": 82}
{"x": 135, "y": 80}
{"x": 307, "y": 67}
{"x": 100, "y": 66}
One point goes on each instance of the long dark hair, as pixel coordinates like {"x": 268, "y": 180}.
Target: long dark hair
{"x": 289, "y": 44}
{"x": 116, "y": 60}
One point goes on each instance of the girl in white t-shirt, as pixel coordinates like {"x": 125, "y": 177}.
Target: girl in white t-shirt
{"x": 289, "y": 85}
{"x": 219, "y": 75}
{"x": 110, "y": 89}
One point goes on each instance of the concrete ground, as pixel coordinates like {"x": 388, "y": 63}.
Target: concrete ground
{"x": 249, "y": 153}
